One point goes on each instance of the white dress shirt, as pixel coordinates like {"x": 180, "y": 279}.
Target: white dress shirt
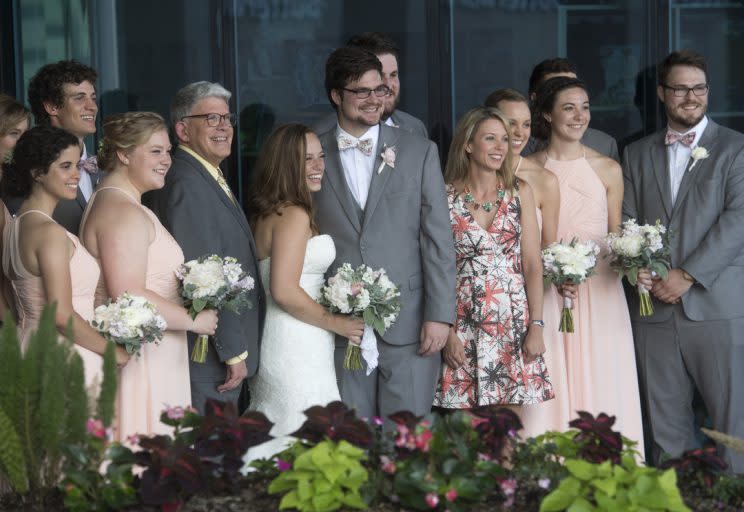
{"x": 678, "y": 156}
{"x": 358, "y": 167}
{"x": 86, "y": 184}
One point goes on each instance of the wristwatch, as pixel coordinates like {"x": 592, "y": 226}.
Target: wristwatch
{"x": 539, "y": 323}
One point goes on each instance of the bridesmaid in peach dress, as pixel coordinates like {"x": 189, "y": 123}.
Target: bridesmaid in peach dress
{"x": 600, "y": 355}
{"x": 14, "y": 121}
{"x": 552, "y": 414}
{"x": 139, "y": 256}
{"x": 43, "y": 261}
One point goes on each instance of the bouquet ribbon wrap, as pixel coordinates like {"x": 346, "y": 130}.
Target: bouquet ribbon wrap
{"x": 366, "y": 350}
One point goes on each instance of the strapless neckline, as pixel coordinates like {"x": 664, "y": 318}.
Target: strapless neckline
{"x": 268, "y": 258}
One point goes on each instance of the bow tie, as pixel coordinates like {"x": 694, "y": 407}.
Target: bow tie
{"x": 363, "y": 145}
{"x": 89, "y": 165}
{"x": 672, "y": 137}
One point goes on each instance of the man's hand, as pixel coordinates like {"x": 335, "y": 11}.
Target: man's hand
{"x": 235, "y": 375}
{"x": 433, "y": 337}
{"x": 671, "y": 289}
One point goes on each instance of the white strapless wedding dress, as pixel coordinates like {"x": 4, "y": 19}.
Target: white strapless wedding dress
{"x": 296, "y": 369}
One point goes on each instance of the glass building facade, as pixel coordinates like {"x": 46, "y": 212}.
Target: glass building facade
{"x": 271, "y": 54}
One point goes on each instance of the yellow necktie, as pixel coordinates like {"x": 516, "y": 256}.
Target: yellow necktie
{"x": 223, "y": 184}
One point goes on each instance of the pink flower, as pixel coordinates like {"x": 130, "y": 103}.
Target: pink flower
{"x": 423, "y": 440}
{"x": 377, "y": 421}
{"x": 283, "y": 465}
{"x": 508, "y": 487}
{"x": 133, "y": 439}
{"x": 451, "y": 495}
{"x": 388, "y": 466}
{"x": 356, "y": 289}
{"x": 405, "y": 438}
{"x": 175, "y": 413}
{"x": 388, "y": 158}
{"x": 96, "y": 428}
{"x": 432, "y": 499}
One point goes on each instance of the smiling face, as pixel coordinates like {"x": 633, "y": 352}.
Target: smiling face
{"x": 520, "y": 123}
{"x": 488, "y": 146}
{"x": 78, "y": 111}
{"x": 148, "y": 163}
{"x": 570, "y": 116}
{"x": 314, "y": 162}
{"x": 391, "y": 79}
{"x": 356, "y": 115}
{"x": 212, "y": 143}
{"x": 686, "y": 111}
{"x": 61, "y": 180}
{"x": 8, "y": 141}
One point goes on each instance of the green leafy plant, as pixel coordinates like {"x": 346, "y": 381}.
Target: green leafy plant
{"x": 324, "y": 477}
{"x": 624, "y": 487}
{"x": 43, "y": 404}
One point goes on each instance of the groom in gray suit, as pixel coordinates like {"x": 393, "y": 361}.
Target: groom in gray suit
{"x": 389, "y": 214}
{"x": 691, "y": 177}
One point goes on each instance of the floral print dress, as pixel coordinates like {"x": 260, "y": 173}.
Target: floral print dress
{"x": 492, "y": 313}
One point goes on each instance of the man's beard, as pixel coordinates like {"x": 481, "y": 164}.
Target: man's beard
{"x": 686, "y": 122}
{"x": 386, "y": 114}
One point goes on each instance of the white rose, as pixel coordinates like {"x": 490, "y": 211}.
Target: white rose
{"x": 207, "y": 278}
{"x": 362, "y": 300}
{"x": 338, "y": 295}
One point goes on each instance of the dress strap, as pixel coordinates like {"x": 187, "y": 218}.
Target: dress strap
{"x": 93, "y": 197}
{"x": 518, "y": 164}
{"x": 35, "y": 211}
{"x": 120, "y": 190}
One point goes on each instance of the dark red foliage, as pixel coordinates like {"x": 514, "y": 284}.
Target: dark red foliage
{"x": 405, "y": 418}
{"x": 597, "y": 439}
{"x": 704, "y": 462}
{"x": 335, "y": 422}
{"x": 497, "y": 427}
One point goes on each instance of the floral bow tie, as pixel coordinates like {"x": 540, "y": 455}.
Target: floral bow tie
{"x": 672, "y": 137}
{"x": 363, "y": 145}
{"x": 89, "y": 165}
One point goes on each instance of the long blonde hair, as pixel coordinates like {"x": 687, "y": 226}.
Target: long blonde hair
{"x": 458, "y": 160}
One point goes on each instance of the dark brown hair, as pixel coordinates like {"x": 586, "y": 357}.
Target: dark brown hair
{"x": 280, "y": 175}
{"x": 47, "y": 85}
{"x": 545, "y": 99}
{"x": 375, "y": 42}
{"x": 681, "y": 58}
{"x": 347, "y": 64}
{"x": 493, "y": 99}
{"x": 548, "y": 67}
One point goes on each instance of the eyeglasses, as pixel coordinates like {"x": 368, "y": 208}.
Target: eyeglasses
{"x": 380, "y": 92}
{"x": 682, "y": 91}
{"x": 215, "y": 120}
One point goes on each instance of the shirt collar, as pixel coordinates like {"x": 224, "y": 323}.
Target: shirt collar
{"x": 211, "y": 168}
{"x": 698, "y": 129}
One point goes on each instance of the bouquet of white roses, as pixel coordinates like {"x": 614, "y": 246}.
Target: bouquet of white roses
{"x": 636, "y": 247}
{"x": 212, "y": 282}
{"x": 129, "y": 321}
{"x": 368, "y": 294}
{"x": 572, "y": 262}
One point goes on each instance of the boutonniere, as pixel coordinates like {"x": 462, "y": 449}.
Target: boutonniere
{"x": 388, "y": 158}
{"x": 698, "y": 153}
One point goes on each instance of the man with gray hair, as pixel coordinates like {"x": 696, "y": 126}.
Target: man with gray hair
{"x": 198, "y": 208}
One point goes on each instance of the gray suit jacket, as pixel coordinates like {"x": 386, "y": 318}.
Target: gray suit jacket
{"x": 401, "y": 119}
{"x": 597, "y": 140}
{"x": 706, "y": 222}
{"x": 404, "y": 229}
{"x": 203, "y": 220}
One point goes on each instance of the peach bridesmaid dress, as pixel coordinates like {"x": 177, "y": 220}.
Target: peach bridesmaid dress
{"x": 556, "y": 413}
{"x": 600, "y": 355}
{"x": 30, "y": 298}
{"x": 159, "y": 377}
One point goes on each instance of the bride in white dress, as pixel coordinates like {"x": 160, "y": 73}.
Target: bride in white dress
{"x": 296, "y": 368}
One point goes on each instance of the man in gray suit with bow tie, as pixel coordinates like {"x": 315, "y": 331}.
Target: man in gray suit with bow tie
{"x": 63, "y": 95}
{"x": 691, "y": 177}
{"x": 387, "y": 213}
{"x": 388, "y": 52}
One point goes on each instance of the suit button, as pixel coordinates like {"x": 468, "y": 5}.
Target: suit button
{"x": 363, "y": 246}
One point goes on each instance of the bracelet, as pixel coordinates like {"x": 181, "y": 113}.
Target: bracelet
{"x": 539, "y": 323}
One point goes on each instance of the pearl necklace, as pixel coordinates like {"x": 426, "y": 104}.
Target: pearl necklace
{"x": 487, "y": 206}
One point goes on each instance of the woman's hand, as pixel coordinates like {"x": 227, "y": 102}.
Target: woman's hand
{"x": 454, "y": 351}
{"x": 568, "y": 289}
{"x": 348, "y": 326}
{"x": 533, "y": 344}
{"x": 122, "y": 357}
{"x": 205, "y": 322}
{"x": 645, "y": 278}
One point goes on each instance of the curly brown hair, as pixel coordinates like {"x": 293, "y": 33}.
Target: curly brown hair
{"x": 47, "y": 85}
{"x": 280, "y": 175}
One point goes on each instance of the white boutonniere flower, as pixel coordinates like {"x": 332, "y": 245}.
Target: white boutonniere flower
{"x": 698, "y": 153}
{"x": 388, "y": 158}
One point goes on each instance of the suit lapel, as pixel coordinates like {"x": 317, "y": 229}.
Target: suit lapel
{"x": 660, "y": 167}
{"x": 334, "y": 172}
{"x": 388, "y": 138}
{"x": 80, "y": 198}
{"x": 708, "y": 141}
{"x": 212, "y": 183}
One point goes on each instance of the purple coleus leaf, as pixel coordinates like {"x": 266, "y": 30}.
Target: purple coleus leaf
{"x": 335, "y": 422}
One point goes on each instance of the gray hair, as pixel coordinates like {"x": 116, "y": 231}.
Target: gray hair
{"x": 185, "y": 99}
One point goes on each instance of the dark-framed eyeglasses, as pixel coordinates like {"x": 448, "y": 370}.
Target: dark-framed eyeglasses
{"x": 681, "y": 91}
{"x": 380, "y": 91}
{"x": 215, "y": 120}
